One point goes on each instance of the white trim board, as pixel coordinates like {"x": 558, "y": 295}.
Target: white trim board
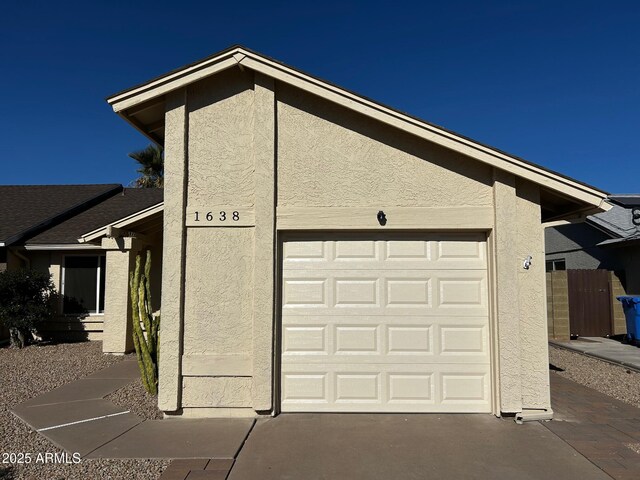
{"x": 123, "y": 222}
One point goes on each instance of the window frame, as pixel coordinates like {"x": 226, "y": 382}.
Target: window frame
{"x": 102, "y": 261}
{"x": 553, "y": 265}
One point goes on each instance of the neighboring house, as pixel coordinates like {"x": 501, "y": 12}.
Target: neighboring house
{"x": 41, "y": 227}
{"x": 602, "y": 257}
{"x": 326, "y": 253}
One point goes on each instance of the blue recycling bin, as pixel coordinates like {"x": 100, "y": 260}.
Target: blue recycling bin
{"x": 631, "y": 306}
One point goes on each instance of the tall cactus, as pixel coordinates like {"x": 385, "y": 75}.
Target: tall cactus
{"x": 145, "y": 342}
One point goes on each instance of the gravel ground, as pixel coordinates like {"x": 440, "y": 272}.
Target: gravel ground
{"x": 613, "y": 380}
{"x": 135, "y": 398}
{"x": 35, "y": 370}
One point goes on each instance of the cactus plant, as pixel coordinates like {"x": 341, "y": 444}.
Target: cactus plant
{"x": 145, "y": 342}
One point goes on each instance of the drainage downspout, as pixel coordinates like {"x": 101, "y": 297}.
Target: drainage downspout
{"x": 531, "y": 415}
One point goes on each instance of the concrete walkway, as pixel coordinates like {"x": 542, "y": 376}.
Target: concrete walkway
{"x": 603, "y": 429}
{"x": 605, "y": 349}
{"x": 77, "y": 418}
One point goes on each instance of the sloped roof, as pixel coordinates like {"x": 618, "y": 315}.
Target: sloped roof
{"x": 125, "y": 203}
{"x": 617, "y": 222}
{"x": 626, "y": 199}
{"x": 28, "y": 209}
{"x": 143, "y": 107}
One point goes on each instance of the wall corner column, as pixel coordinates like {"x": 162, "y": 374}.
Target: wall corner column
{"x": 506, "y": 284}
{"x": 173, "y": 251}
{"x": 264, "y": 140}
{"x": 117, "y": 328}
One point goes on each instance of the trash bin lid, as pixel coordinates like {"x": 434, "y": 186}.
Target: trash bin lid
{"x": 629, "y": 299}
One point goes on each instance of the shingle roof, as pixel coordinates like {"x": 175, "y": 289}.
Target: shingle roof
{"x": 128, "y": 202}
{"x": 626, "y": 200}
{"x": 27, "y": 209}
{"x": 618, "y": 222}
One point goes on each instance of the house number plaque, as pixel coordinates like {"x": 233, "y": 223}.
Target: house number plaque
{"x": 220, "y": 216}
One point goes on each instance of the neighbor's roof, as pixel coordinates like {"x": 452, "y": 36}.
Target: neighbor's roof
{"x": 143, "y": 106}
{"x": 28, "y": 209}
{"x": 618, "y": 221}
{"x": 125, "y": 203}
{"x": 626, "y": 199}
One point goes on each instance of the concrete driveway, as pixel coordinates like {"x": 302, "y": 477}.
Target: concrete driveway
{"x": 367, "y": 446}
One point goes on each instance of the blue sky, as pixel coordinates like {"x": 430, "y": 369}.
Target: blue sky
{"x": 557, "y": 83}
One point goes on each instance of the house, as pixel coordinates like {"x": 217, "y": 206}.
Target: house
{"x": 41, "y": 227}
{"x": 326, "y": 253}
{"x": 590, "y": 263}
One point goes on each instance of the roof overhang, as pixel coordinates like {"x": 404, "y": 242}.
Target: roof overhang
{"x": 143, "y": 107}
{"x": 61, "y": 246}
{"x": 145, "y": 221}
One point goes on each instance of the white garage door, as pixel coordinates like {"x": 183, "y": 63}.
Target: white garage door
{"x": 386, "y": 325}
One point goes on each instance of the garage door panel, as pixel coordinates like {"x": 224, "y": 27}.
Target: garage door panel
{"x": 386, "y": 388}
{"x": 386, "y": 324}
{"x": 450, "y": 252}
{"x": 384, "y": 339}
{"x": 389, "y": 292}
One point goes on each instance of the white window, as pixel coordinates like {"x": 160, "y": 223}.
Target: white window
{"x": 83, "y": 284}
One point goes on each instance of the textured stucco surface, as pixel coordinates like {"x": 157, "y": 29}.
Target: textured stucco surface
{"x": 330, "y": 156}
{"x": 230, "y": 392}
{"x": 507, "y": 311}
{"x": 534, "y": 354}
{"x": 218, "y": 312}
{"x": 325, "y": 156}
{"x": 219, "y": 262}
{"x": 169, "y": 381}
{"x": 117, "y": 313}
{"x": 264, "y": 243}
{"x": 221, "y": 169}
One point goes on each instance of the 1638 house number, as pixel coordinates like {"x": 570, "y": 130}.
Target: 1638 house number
{"x": 220, "y": 217}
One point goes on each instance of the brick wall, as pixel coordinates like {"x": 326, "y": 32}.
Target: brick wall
{"x": 619, "y": 324}
{"x": 558, "y": 305}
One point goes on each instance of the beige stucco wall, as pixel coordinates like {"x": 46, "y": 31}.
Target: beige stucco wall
{"x": 121, "y": 256}
{"x": 534, "y": 354}
{"x": 223, "y": 138}
{"x": 330, "y": 156}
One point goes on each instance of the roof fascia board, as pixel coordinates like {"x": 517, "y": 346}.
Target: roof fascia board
{"x": 62, "y": 246}
{"x": 359, "y": 104}
{"x": 122, "y": 223}
{"x": 172, "y": 82}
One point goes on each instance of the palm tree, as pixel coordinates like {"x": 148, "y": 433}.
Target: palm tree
{"x": 151, "y": 161}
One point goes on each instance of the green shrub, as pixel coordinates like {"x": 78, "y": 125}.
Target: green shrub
{"x": 25, "y": 302}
